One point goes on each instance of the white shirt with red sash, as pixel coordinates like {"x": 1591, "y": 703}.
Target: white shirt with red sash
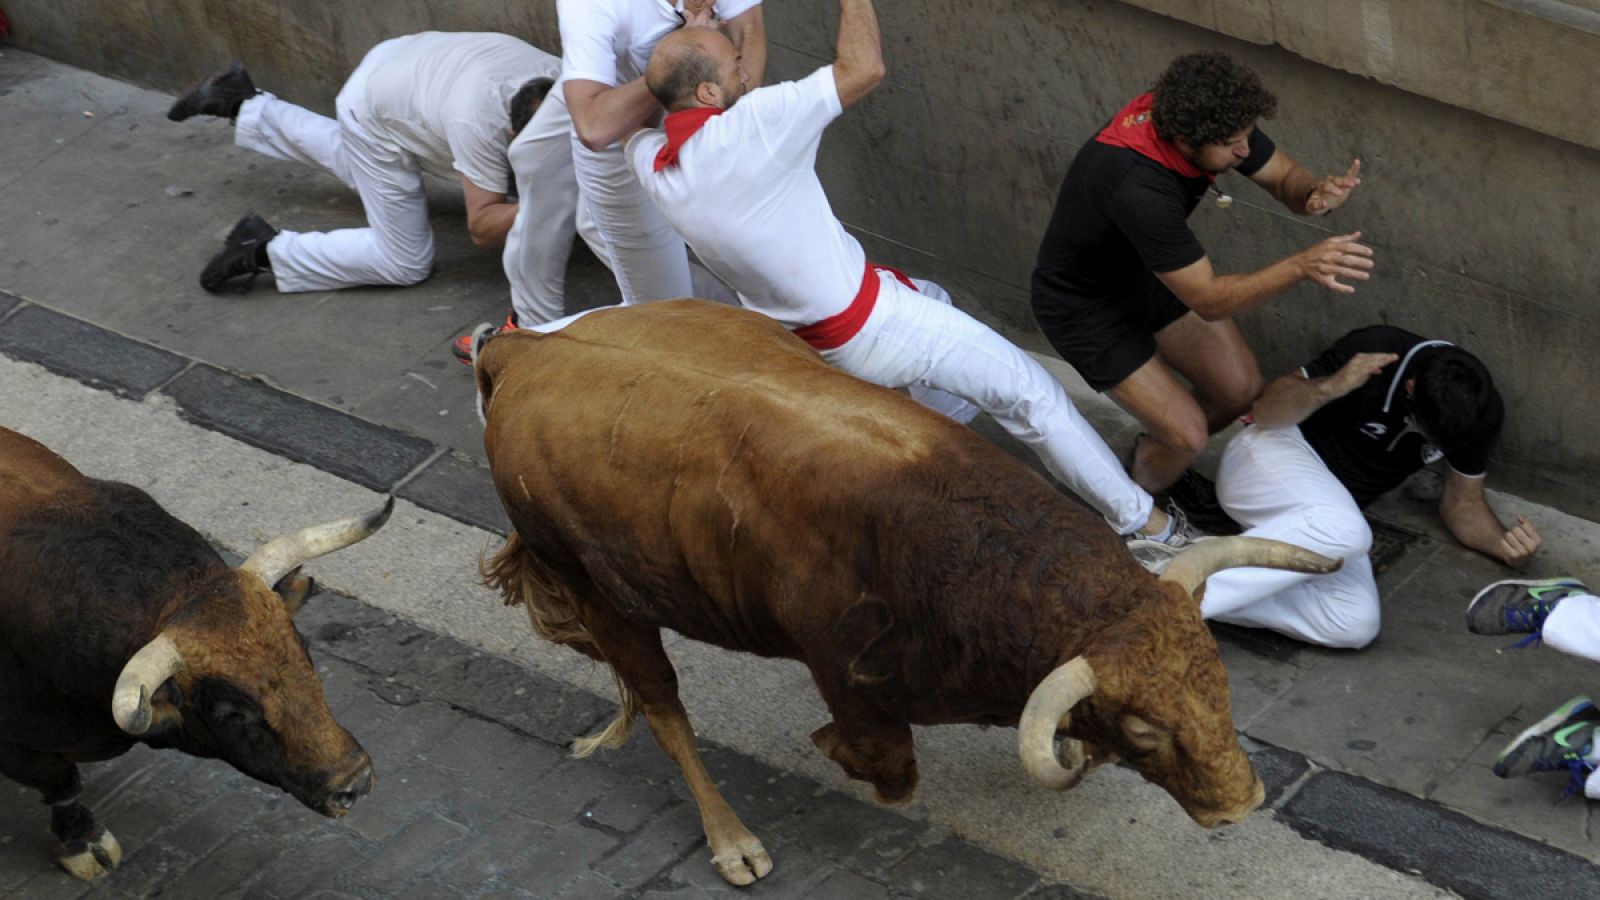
{"x": 743, "y": 191}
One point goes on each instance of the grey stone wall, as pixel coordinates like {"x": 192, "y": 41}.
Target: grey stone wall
{"x": 1482, "y": 226}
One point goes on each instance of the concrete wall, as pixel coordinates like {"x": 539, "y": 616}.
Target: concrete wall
{"x": 1482, "y": 219}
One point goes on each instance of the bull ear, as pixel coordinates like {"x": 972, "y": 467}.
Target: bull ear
{"x": 1142, "y": 734}
{"x": 294, "y": 589}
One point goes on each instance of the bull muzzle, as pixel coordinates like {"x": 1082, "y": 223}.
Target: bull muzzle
{"x": 1216, "y": 819}
{"x": 343, "y": 793}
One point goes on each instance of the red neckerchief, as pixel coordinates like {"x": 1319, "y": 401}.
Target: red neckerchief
{"x": 680, "y": 126}
{"x": 1134, "y": 129}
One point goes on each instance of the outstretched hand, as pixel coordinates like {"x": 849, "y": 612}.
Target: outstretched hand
{"x": 1358, "y": 371}
{"x": 1341, "y": 256}
{"x": 1518, "y": 544}
{"x": 1331, "y": 192}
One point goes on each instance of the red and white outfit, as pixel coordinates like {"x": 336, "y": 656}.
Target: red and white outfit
{"x": 436, "y": 102}
{"x": 610, "y": 42}
{"x": 743, "y": 190}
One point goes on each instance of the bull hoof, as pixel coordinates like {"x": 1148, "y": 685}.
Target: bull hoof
{"x": 88, "y": 860}
{"x": 742, "y": 860}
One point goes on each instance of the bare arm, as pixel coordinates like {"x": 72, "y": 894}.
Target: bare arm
{"x": 603, "y": 115}
{"x": 748, "y": 31}
{"x": 489, "y": 216}
{"x": 858, "y": 66}
{"x": 1300, "y": 191}
{"x": 1466, "y": 513}
{"x": 1215, "y": 297}
{"x": 1292, "y": 399}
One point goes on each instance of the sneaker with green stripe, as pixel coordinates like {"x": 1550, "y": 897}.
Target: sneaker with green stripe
{"x": 1564, "y": 740}
{"x": 1518, "y": 607}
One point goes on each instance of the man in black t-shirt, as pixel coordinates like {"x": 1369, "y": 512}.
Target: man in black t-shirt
{"x": 1125, "y": 292}
{"x": 1326, "y": 441}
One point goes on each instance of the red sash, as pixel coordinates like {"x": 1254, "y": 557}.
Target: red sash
{"x": 1134, "y": 129}
{"x": 680, "y": 126}
{"x": 838, "y": 329}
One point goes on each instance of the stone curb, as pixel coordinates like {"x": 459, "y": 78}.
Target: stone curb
{"x": 1388, "y": 827}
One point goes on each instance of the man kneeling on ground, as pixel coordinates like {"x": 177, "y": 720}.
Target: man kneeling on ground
{"x": 439, "y": 102}
{"x": 1329, "y": 439}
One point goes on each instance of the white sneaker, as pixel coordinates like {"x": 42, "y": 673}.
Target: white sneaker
{"x": 1153, "y": 555}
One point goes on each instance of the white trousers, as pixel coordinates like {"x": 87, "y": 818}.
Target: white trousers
{"x": 396, "y": 247}
{"x": 1574, "y": 626}
{"x": 540, "y": 240}
{"x": 1276, "y": 486}
{"x": 646, "y": 255}
{"x": 911, "y": 340}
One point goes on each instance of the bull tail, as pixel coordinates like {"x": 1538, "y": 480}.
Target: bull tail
{"x": 616, "y": 734}
{"x": 523, "y": 581}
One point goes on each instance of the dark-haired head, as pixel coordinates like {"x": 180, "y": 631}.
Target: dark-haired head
{"x": 1453, "y": 398}
{"x": 525, "y": 102}
{"x": 1205, "y": 98}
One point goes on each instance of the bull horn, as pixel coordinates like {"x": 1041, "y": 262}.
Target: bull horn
{"x": 1047, "y": 711}
{"x": 280, "y": 556}
{"x": 153, "y": 664}
{"x": 1193, "y": 566}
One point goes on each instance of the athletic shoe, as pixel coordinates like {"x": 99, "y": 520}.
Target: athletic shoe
{"x": 220, "y": 95}
{"x": 1154, "y": 553}
{"x": 1197, "y": 496}
{"x": 1562, "y": 740}
{"x": 1518, "y": 607}
{"x": 461, "y": 347}
{"x": 244, "y": 252}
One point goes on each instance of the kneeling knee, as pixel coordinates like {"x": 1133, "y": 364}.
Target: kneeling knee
{"x": 1358, "y": 633}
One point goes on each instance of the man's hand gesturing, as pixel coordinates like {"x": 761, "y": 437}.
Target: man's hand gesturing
{"x": 1342, "y": 256}
{"x": 1331, "y": 192}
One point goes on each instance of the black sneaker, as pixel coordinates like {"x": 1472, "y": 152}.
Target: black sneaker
{"x": 243, "y": 253}
{"x": 1196, "y": 495}
{"x": 220, "y": 95}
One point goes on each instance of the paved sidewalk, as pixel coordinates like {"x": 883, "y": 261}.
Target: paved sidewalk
{"x": 476, "y": 797}
{"x": 1382, "y": 753}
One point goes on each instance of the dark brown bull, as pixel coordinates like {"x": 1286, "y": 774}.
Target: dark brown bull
{"x": 119, "y": 625}
{"x": 690, "y": 466}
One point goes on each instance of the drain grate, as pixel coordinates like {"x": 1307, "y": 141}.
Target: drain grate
{"x": 1389, "y": 544}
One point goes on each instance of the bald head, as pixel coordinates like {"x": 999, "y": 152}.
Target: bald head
{"x": 688, "y": 58}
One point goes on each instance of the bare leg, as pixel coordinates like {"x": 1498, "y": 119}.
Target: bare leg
{"x": 1226, "y": 380}
{"x": 86, "y": 849}
{"x": 640, "y": 661}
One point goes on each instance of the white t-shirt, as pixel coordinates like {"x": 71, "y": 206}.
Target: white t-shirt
{"x": 445, "y": 99}
{"x": 610, "y": 41}
{"x": 746, "y": 197}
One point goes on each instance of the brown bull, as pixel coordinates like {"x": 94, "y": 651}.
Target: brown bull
{"x": 119, "y": 625}
{"x": 690, "y": 466}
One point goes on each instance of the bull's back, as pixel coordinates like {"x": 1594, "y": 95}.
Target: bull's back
{"x": 31, "y": 474}
{"x": 689, "y": 448}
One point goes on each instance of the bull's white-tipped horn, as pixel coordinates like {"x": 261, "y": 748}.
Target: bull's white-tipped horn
{"x": 280, "y": 556}
{"x": 1193, "y": 566}
{"x": 1047, "y": 710}
{"x": 153, "y": 664}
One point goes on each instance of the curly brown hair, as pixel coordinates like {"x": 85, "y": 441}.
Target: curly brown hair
{"x": 1205, "y": 98}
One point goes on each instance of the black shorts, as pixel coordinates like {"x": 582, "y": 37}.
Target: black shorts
{"x": 1107, "y": 338}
